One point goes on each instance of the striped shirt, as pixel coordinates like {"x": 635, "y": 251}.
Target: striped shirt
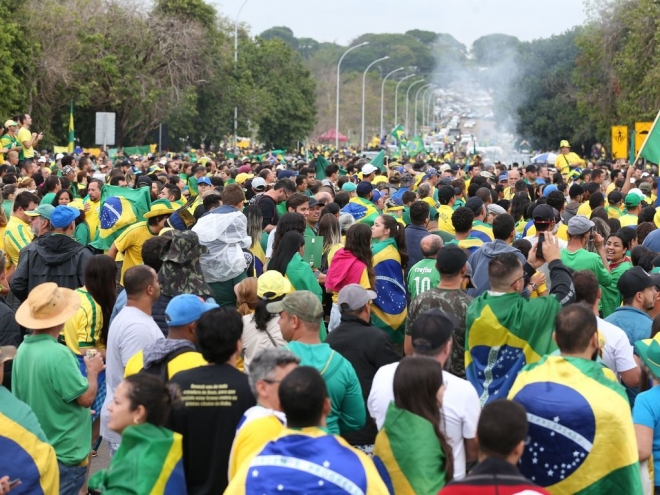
{"x": 17, "y": 235}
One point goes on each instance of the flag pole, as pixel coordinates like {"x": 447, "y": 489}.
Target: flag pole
{"x": 646, "y": 139}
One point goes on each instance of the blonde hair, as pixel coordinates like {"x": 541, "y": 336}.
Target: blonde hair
{"x": 246, "y": 295}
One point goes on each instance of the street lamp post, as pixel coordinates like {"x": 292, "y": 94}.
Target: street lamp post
{"x": 382, "y": 99}
{"x": 338, "y": 81}
{"x": 416, "y": 97}
{"x": 425, "y": 105}
{"x": 236, "y": 68}
{"x": 396, "y": 99}
{"x": 364, "y": 83}
{"x": 407, "y": 101}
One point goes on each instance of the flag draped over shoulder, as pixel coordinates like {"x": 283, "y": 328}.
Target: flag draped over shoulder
{"x": 149, "y": 460}
{"x": 120, "y": 207}
{"x": 363, "y": 210}
{"x": 581, "y": 437}
{"x": 72, "y": 134}
{"x": 409, "y": 450}
{"x": 505, "y": 333}
{"x": 389, "y": 310}
{"x": 24, "y": 456}
{"x": 399, "y": 134}
{"x": 416, "y": 146}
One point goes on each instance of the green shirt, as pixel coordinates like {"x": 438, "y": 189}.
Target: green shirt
{"x": 81, "y": 234}
{"x": 586, "y": 260}
{"x": 422, "y": 277}
{"x": 47, "y": 199}
{"x": 19, "y": 412}
{"x": 611, "y": 297}
{"x": 46, "y": 376}
{"x": 7, "y": 205}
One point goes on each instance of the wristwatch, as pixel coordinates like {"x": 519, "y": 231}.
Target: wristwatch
{"x": 534, "y": 286}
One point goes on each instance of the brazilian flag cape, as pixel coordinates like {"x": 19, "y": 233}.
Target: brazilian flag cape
{"x": 120, "y": 207}
{"x": 148, "y": 461}
{"x": 308, "y": 461}
{"x": 409, "y": 450}
{"x": 363, "y": 210}
{"x": 581, "y": 437}
{"x": 505, "y": 333}
{"x": 23, "y": 455}
{"x": 389, "y": 310}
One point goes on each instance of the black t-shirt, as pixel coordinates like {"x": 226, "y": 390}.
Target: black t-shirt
{"x": 214, "y": 399}
{"x": 268, "y": 209}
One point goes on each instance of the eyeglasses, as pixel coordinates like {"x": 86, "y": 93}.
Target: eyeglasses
{"x": 271, "y": 382}
{"x": 519, "y": 278}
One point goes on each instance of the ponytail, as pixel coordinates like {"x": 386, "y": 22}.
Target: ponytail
{"x": 397, "y": 232}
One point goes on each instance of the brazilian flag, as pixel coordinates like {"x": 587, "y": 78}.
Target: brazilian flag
{"x": 362, "y": 210}
{"x": 120, "y": 207}
{"x": 504, "y": 334}
{"x": 389, "y": 309}
{"x": 408, "y": 449}
{"x": 149, "y": 460}
{"x": 581, "y": 437}
{"x": 399, "y": 134}
{"x": 25, "y": 456}
{"x": 416, "y": 146}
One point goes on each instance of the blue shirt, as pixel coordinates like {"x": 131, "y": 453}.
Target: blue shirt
{"x": 634, "y": 322}
{"x": 652, "y": 241}
{"x": 122, "y": 298}
{"x": 414, "y": 236}
{"x": 647, "y": 413}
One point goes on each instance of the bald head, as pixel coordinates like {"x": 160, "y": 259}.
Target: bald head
{"x": 430, "y": 245}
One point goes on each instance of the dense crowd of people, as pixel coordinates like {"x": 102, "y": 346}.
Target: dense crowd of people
{"x": 329, "y": 326}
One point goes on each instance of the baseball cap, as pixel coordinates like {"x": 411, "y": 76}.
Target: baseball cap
{"x": 301, "y": 303}
{"x": 396, "y": 201}
{"x": 364, "y": 187}
{"x": 258, "y": 183}
{"x": 376, "y": 196}
{"x": 487, "y": 175}
{"x": 62, "y": 216}
{"x": 564, "y": 144}
{"x": 242, "y": 177}
{"x": 645, "y": 187}
{"x": 244, "y": 169}
{"x": 475, "y": 203}
{"x": 445, "y": 193}
{"x": 432, "y": 330}
{"x": 495, "y": 209}
{"x": 143, "y": 180}
{"x": 368, "y": 169}
{"x": 504, "y": 177}
{"x": 44, "y": 211}
{"x": 348, "y": 187}
{"x": 636, "y": 280}
{"x": 272, "y": 284}
{"x": 59, "y": 156}
{"x": 451, "y": 260}
{"x": 186, "y": 308}
{"x": 614, "y": 197}
{"x": 42, "y": 159}
{"x": 285, "y": 174}
{"x": 632, "y": 199}
{"x": 7, "y": 353}
{"x": 354, "y": 296}
{"x": 313, "y": 202}
{"x": 548, "y": 189}
{"x": 10, "y": 123}
{"x": 578, "y": 225}
{"x": 445, "y": 167}
{"x": 544, "y": 214}
{"x": 204, "y": 180}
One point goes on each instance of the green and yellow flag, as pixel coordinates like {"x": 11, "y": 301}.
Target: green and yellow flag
{"x": 408, "y": 449}
{"x": 416, "y": 146}
{"x": 399, "y": 134}
{"x": 581, "y": 437}
{"x": 72, "y": 134}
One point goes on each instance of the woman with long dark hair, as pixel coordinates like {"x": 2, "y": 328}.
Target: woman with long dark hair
{"x": 519, "y": 205}
{"x": 352, "y": 264}
{"x": 62, "y": 197}
{"x": 616, "y": 249}
{"x": 389, "y": 309}
{"x": 261, "y": 330}
{"x": 254, "y": 221}
{"x": 418, "y": 393}
{"x": 288, "y": 222}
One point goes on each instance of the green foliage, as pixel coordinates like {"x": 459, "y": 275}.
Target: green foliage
{"x": 189, "y": 10}
{"x": 281, "y": 32}
{"x": 489, "y": 50}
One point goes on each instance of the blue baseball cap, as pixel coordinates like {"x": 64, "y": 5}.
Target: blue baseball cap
{"x": 548, "y": 189}
{"x": 376, "y": 196}
{"x": 504, "y": 177}
{"x": 62, "y": 216}
{"x": 285, "y": 174}
{"x": 204, "y": 180}
{"x": 186, "y": 308}
{"x": 396, "y": 201}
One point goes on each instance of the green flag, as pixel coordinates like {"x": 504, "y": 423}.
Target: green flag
{"x": 72, "y": 134}
{"x": 321, "y": 165}
{"x": 416, "y": 146}
{"x": 651, "y": 147}
{"x": 379, "y": 161}
{"x": 399, "y": 134}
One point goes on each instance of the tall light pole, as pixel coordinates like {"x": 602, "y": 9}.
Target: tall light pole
{"x": 407, "y": 101}
{"x": 430, "y": 121}
{"x": 235, "y": 69}
{"x": 416, "y": 97}
{"x": 425, "y": 105}
{"x": 364, "y": 83}
{"x": 338, "y": 81}
{"x": 396, "y": 99}
{"x": 382, "y": 98}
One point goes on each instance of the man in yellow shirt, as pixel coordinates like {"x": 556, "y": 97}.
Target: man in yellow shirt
{"x": 130, "y": 242}
{"x": 567, "y": 159}
{"x": 264, "y": 422}
{"x": 447, "y": 198}
{"x": 18, "y": 233}
{"x": 632, "y": 203}
{"x": 167, "y": 357}
{"x": 93, "y": 207}
{"x": 26, "y": 138}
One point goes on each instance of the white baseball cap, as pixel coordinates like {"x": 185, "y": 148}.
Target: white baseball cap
{"x": 59, "y": 156}
{"x": 368, "y": 169}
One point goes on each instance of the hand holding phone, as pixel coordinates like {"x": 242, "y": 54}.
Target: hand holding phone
{"x": 539, "y": 246}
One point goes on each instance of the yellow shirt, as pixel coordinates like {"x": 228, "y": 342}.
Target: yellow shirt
{"x": 130, "y": 244}
{"x": 613, "y": 212}
{"x": 83, "y": 329}
{"x": 444, "y": 219}
{"x": 251, "y": 439}
{"x": 584, "y": 210}
{"x": 562, "y": 233}
{"x": 17, "y": 235}
{"x": 22, "y": 136}
{"x": 610, "y": 188}
{"x": 183, "y": 362}
{"x": 92, "y": 217}
{"x": 564, "y": 162}
{"x": 628, "y": 220}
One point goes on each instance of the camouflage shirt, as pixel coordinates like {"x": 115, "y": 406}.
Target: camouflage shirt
{"x": 454, "y": 302}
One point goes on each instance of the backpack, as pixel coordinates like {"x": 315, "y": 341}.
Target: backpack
{"x": 159, "y": 368}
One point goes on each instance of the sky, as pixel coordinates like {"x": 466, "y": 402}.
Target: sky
{"x": 467, "y": 20}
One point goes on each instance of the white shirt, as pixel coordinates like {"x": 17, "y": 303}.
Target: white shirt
{"x": 460, "y": 410}
{"x": 255, "y": 340}
{"x": 617, "y": 351}
{"x": 130, "y": 332}
{"x": 269, "y": 244}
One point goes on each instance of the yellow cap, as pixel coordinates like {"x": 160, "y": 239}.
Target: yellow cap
{"x": 272, "y": 284}
{"x": 564, "y": 144}
{"x": 242, "y": 177}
